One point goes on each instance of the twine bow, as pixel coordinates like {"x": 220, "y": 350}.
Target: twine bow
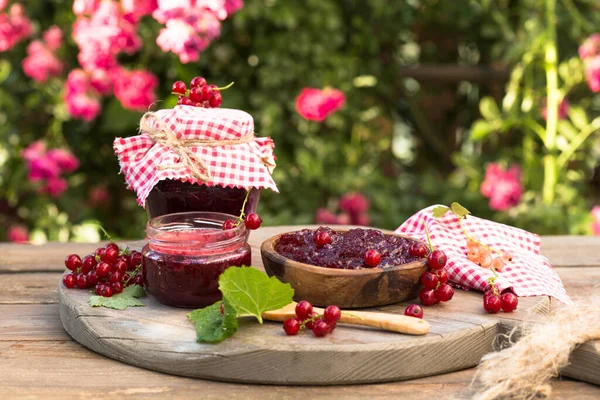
{"x": 166, "y": 137}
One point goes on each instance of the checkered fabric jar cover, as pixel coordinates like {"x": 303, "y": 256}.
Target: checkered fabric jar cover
{"x": 218, "y": 142}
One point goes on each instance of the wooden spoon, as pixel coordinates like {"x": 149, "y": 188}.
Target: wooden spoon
{"x": 385, "y": 321}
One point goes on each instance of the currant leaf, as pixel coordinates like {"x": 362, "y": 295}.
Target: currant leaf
{"x": 211, "y": 325}
{"x": 459, "y": 210}
{"x": 127, "y": 298}
{"x": 252, "y": 292}
{"x": 440, "y": 211}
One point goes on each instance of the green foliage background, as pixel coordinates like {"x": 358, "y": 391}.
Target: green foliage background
{"x": 404, "y": 143}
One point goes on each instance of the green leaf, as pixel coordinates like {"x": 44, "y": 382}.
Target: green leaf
{"x": 578, "y": 117}
{"x": 440, "y": 211}
{"x": 459, "y": 210}
{"x": 252, "y": 292}
{"x": 489, "y": 109}
{"x": 480, "y": 129}
{"x": 566, "y": 129}
{"x": 211, "y": 325}
{"x": 127, "y": 298}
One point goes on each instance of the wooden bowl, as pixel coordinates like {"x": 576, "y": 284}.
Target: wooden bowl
{"x": 346, "y": 288}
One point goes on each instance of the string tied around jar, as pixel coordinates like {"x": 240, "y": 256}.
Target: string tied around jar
{"x": 182, "y": 147}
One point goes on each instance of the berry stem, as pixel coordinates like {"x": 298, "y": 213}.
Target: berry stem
{"x": 242, "y": 213}
{"x": 472, "y": 238}
{"x": 428, "y": 237}
{"x": 225, "y": 87}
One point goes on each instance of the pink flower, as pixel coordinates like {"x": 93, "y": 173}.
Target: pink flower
{"x": 135, "y": 89}
{"x": 65, "y": 160}
{"x": 563, "y": 109}
{"x": 17, "y": 234}
{"x": 343, "y": 219}
{"x": 169, "y": 9}
{"x": 53, "y": 37}
{"x": 81, "y": 99}
{"x": 232, "y": 6}
{"x": 41, "y": 63}
{"x": 98, "y": 196}
{"x": 3, "y": 4}
{"x": 325, "y": 217}
{"x": 592, "y": 73}
{"x": 316, "y": 104}
{"x": 596, "y": 222}
{"x": 139, "y": 8}
{"x": 503, "y": 188}
{"x": 55, "y": 187}
{"x": 180, "y": 38}
{"x": 354, "y": 203}
{"x": 102, "y": 81}
{"x": 361, "y": 219}
{"x": 14, "y": 27}
{"x": 590, "y": 47}
{"x": 34, "y": 150}
{"x": 41, "y": 168}
{"x": 81, "y": 7}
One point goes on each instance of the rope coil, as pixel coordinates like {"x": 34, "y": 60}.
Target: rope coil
{"x": 166, "y": 137}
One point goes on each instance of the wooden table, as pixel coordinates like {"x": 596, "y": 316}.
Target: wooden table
{"x": 38, "y": 359}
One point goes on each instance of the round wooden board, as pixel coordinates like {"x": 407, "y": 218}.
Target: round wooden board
{"x": 160, "y": 338}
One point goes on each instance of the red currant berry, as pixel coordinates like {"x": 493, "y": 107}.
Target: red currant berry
{"x": 92, "y": 278}
{"x": 103, "y": 269}
{"x": 82, "y": 282}
{"x": 99, "y": 252}
{"x": 117, "y": 287}
{"x": 322, "y": 238}
{"x": 222, "y": 308}
{"x": 427, "y": 297}
{"x": 196, "y": 94}
{"x": 303, "y": 309}
{"x": 186, "y": 101}
{"x": 429, "y": 280}
{"x": 372, "y": 258}
{"x": 492, "y": 304}
{"x": 110, "y": 255}
{"x": 417, "y": 249}
{"x": 115, "y": 277}
{"x": 253, "y": 221}
{"x": 106, "y": 291}
{"x": 88, "y": 263}
{"x": 414, "y": 310}
{"x": 442, "y": 276}
{"x": 72, "y": 262}
{"x": 488, "y": 293}
{"x": 112, "y": 245}
{"x": 332, "y": 314}
{"x": 179, "y": 87}
{"x": 436, "y": 260}
{"x": 207, "y": 91}
{"x": 509, "y": 302}
{"x": 125, "y": 279}
{"x": 120, "y": 266}
{"x": 216, "y": 99}
{"x": 99, "y": 289}
{"x": 311, "y": 319}
{"x": 135, "y": 259}
{"x": 291, "y": 326}
{"x": 229, "y": 224}
{"x": 198, "y": 81}
{"x": 180, "y": 100}
{"x": 444, "y": 293}
{"x": 321, "y": 328}
{"x": 69, "y": 281}
{"x": 138, "y": 280}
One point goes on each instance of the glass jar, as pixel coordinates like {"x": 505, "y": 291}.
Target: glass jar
{"x": 173, "y": 196}
{"x": 187, "y": 252}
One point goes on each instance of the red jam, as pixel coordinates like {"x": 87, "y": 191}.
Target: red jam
{"x": 172, "y": 196}
{"x": 347, "y": 249}
{"x": 185, "y": 255}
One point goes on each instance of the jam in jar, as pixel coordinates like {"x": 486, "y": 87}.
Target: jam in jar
{"x": 187, "y": 252}
{"x": 173, "y": 196}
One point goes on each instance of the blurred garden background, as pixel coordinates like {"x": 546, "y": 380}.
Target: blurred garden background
{"x": 377, "y": 108}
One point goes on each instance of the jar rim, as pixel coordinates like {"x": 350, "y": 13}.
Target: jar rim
{"x": 159, "y": 229}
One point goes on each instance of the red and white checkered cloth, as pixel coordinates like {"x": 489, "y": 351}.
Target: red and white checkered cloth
{"x": 243, "y": 165}
{"x": 528, "y": 274}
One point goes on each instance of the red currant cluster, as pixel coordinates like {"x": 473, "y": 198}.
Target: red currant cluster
{"x": 109, "y": 269}
{"x": 321, "y": 325}
{"x": 484, "y": 256}
{"x": 493, "y": 301}
{"x": 434, "y": 280}
{"x": 252, "y": 222}
{"x": 200, "y": 93}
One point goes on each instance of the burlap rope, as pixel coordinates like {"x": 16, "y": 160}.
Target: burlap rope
{"x": 524, "y": 370}
{"x": 165, "y": 136}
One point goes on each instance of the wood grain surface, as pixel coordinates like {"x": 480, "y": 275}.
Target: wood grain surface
{"x": 38, "y": 359}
